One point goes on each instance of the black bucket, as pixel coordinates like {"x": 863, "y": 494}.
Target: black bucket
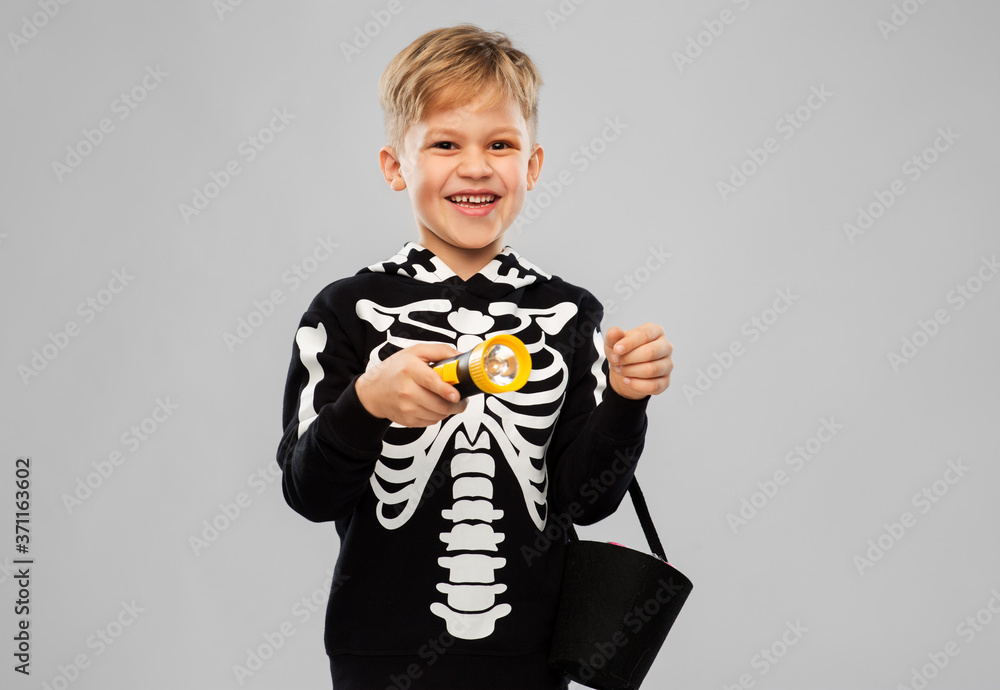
{"x": 615, "y": 610}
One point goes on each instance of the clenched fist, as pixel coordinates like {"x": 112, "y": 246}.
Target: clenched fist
{"x": 405, "y": 390}
{"x": 639, "y": 361}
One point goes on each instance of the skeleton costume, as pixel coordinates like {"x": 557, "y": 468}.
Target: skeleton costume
{"x": 451, "y": 548}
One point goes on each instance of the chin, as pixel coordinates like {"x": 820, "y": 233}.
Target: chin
{"x": 474, "y": 241}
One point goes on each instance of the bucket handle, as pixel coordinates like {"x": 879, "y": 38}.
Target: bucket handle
{"x": 642, "y": 512}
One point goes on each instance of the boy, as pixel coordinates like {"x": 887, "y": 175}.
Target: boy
{"x": 449, "y": 511}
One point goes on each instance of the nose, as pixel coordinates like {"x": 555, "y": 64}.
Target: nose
{"x": 474, "y": 164}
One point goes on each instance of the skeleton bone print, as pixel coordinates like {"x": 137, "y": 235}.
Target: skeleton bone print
{"x": 472, "y": 580}
{"x": 436, "y": 524}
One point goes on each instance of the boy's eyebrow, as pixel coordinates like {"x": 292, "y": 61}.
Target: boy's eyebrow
{"x": 448, "y": 132}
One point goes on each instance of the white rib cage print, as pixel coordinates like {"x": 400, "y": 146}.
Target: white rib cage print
{"x": 472, "y": 582}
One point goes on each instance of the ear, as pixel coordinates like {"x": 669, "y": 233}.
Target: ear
{"x": 535, "y": 165}
{"x": 388, "y": 160}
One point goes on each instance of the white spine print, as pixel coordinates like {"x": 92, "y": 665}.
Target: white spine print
{"x": 472, "y": 609}
{"x": 490, "y": 427}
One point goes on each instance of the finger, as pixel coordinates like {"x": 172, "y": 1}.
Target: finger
{"x": 646, "y": 370}
{"x": 613, "y": 335}
{"x": 443, "y": 407}
{"x": 420, "y": 403}
{"x": 426, "y": 376}
{"x": 638, "y": 336}
{"x": 652, "y": 386}
{"x": 421, "y": 421}
{"x": 439, "y": 396}
{"x": 436, "y": 413}
{"x": 433, "y": 408}
{"x": 432, "y": 352}
{"x": 441, "y": 389}
{"x": 439, "y": 393}
{"x": 660, "y": 348}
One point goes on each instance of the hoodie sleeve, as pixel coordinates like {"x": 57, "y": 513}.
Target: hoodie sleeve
{"x": 330, "y": 442}
{"x": 599, "y": 435}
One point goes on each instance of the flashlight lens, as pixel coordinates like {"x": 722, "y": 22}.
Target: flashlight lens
{"x": 500, "y": 365}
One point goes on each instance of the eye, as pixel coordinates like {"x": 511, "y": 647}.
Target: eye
{"x": 445, "y": 145}
{"x": 502, "y": 144}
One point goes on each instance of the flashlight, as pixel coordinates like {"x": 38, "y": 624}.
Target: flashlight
{"x": 497, "y": 365}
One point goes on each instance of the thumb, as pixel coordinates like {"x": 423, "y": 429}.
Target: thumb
{"x": 613, "y": 335}
{"x": 433, "y": 352}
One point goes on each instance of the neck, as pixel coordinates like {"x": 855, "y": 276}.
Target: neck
{"x": 464, "y": 262}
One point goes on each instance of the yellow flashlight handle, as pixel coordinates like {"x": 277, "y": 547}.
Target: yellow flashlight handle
{"x": 448, "y": 369}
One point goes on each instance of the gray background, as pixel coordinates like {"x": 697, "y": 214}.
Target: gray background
{"x": 653, "y": 186}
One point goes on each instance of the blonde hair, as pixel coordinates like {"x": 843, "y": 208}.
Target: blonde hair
{"x": 454, "y": 66}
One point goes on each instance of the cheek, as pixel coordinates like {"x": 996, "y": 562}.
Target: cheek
{"x": 516, "y": 179}
{"x": 520, "y": 187}
{"x": 424, "y": 191}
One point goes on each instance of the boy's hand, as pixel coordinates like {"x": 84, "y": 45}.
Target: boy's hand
{"x": 639, "y": 361}
{"x": 405, "y": 390}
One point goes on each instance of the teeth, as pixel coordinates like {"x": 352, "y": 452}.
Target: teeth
{"x": 475, "y": 198}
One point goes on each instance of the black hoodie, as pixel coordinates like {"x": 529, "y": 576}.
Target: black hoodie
{"x": 452, "y": 532}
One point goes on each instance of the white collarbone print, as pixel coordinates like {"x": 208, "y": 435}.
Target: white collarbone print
{"x": 471, "y": 579}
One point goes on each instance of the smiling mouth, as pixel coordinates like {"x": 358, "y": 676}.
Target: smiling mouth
{"x": 472, "y": 200}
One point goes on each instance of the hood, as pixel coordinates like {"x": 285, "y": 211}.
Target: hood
{"x": 506, "y": 272}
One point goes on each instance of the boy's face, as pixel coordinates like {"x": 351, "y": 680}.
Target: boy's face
{"x": 458, "y": 152}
